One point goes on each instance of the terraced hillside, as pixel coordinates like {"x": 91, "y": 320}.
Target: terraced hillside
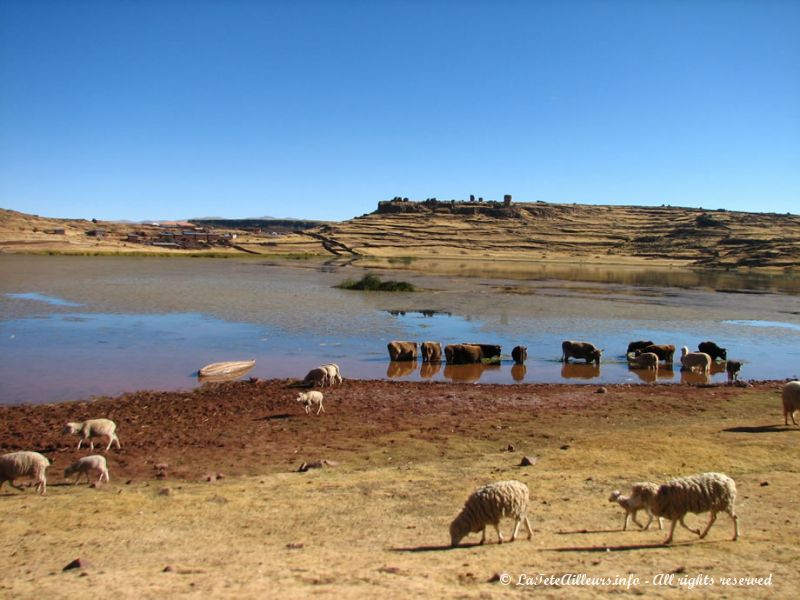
{"x": 665, "y": 235}
{"x": 398, "y": 230}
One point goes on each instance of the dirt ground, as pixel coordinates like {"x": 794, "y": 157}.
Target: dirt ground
{"x": 403, "y": 457}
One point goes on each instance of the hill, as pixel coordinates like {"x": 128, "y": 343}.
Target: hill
{"x": 404, "y": 230}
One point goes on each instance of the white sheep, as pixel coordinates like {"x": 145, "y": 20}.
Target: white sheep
{"x": 692, "y": 360}
{"x": 318, "y": 376}
{"x": 24, "y": 464}
{"x": 646, "y": 360}
{"x": 334, "y": 375}
{"x": 641, "y": 496}
{"x": 93, "y": 428}
{"x": 311, "y": 398}
{"x": 706, "y": 492}
{"x": 791, "y": 400}
{"x": 86, "y": 465}
{"x": 487, "y": 505}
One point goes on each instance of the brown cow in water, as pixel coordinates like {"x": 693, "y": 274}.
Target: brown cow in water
{"x": 519, "y": 354}
{"x": 489, "y": 350}
{"x": 580, "y": 350}
{"x": 638, "y": 345}
{"x": 463, "y": 354}
{"x": 431, "y": 352}
{"x": 663, "y": 351}
{"x": 402, "y": 350}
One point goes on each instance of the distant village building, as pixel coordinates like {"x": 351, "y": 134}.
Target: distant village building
{"x": 507, "y": 200}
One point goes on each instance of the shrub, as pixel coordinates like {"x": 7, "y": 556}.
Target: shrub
{"x": 373, "y": 283}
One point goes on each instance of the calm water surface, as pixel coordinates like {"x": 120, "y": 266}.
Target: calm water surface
{"x": 76, "y": 327}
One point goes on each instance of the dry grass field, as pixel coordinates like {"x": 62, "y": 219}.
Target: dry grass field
{"x": 404, "y": 231}
{"x": 406, "y": 457}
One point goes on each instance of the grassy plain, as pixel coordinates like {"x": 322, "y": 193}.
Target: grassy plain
{"x": 407, "y": 455}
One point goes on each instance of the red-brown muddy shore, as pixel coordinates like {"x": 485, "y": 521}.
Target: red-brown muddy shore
{"x": 256, "y": 426}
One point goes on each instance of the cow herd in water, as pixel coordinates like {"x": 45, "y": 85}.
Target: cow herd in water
{"x": 642, "y": 355}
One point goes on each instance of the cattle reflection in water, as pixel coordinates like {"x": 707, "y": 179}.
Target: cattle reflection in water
{"x": 695, "y": 377}
{"x": 518, "y": 372}
{"x": 400, "y": 368}
{"x": 651, "y": 376}
{"x": 578, "y": 371}
{"x": 468, "y": 373}
{"x": 429, "y": 370}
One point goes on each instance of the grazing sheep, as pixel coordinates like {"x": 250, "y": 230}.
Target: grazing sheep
{"x": 24, "y": 464}
{"x": 733, "y": 368}
{"x": 706, "y": 492}
{"x": 86, "y": 465}
{"x": 94, "y": 428}
{"x": 487, "y": 505}
{"x": 334, "y": 375}
{"x": 318, "y": 376}
{"x": 791, "y": 400}
{"x": 714, "y": 351}
{"x": 310, "y": 398}
{"x": 695, "y": 360}
{"x": 646, "y": 360}
{"x": 641, "y": 497}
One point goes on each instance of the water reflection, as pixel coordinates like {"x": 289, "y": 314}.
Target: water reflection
{"x": 695, "y": 378}
{"x": 518, "y": 372}
{"x": 468, "y": 373}
{"x": 430, "y": 370}
{"x": 646, "y": 375}
{"x": 401, "y": 368}
{"x": 721, "y": 281}
{"x": 578, "y": 371}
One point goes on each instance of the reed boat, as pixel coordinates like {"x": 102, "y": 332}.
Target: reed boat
{"x": 233, "y": 368}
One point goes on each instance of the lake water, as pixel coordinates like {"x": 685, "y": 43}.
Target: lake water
{"x": 76, "y": 327}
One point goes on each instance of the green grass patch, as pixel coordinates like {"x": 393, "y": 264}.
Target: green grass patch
{"x": 373, "y": 283}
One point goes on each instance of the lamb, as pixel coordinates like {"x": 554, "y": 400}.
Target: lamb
{"x": 646, "y": 360}
{"x": 641, "y": 496}
{"x": 487, "y": 505}
{"x": 24, "y": 463}
{"x": 318, "y": 376}
{"x": 733, "y": 368}
{"x": 692, "y": 360}
{"x": 706, "y": 492}
{"x": 310, "y": 398}
{"x": 791, "y": 400}
{"x": 94, "y": 428}
{"x": 334, "y": 375}
{"x": 86, "y": 465}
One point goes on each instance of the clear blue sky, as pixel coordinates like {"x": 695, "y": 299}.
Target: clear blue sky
{"x": 318, "y": 109}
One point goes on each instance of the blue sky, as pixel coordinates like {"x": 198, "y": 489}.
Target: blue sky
{"x": 312, "y": 109}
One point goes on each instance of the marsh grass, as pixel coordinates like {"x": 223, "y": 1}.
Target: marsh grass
{"x": 373, "y": 283}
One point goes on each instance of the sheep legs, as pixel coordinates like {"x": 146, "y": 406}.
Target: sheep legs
{"x": 672, "y": 530}
{"x": 786, "y": 415}
{"x": 113, "y": 439}
{"x": 714, "y": 518}
{"x": 497, "y": 529}
{"x": 516, "y": 528}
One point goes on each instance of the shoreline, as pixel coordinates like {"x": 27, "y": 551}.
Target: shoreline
{"x": 162, "y": 426}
